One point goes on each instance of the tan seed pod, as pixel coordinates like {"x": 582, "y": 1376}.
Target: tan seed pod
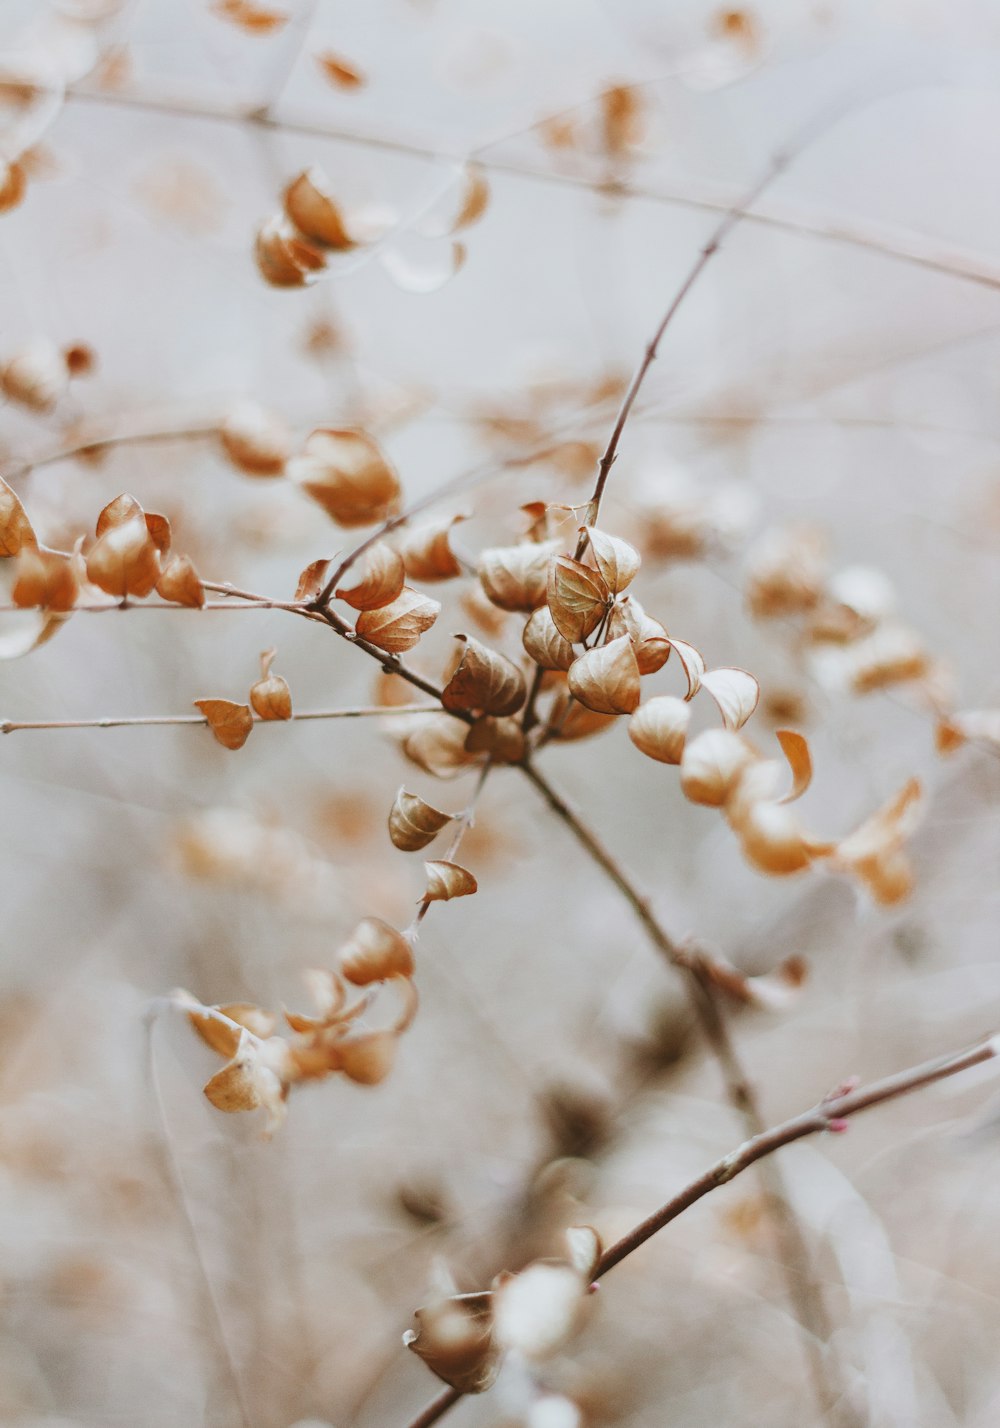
{"x": 874, "y": 851}
{"x": 515, "y": 577}
{"x": 487, "y": 618}
{"x": 735, "y": 692}
{"x": 347, "y": 474}
{"x": 13, "y": 186}
{"x": 893, "y": 654}
{"x": 427, "y": 552}
{"x": 606, "y": 679}
{"x": 578, "y": 598}
{"x": 311, "y": 209}
{"x": 234, "y": 1088}
{"x": 616, "y": 560}
{"x": 455, "y": 1341}
{"x": 649, "y": 639}
{"x": 283, "y": 258}
{"x": 256, "y": 441}
{"x": 711, "y": 766}
{"x": 659, "y": 727}
{"x": 367, "y": 1059}
{"x": 786, "y": 573}
{"x": 413, "y": 823}
{"x": 124, "y": 560}
{"x": 579, "y": 722}
{"x": 249, "y": 15}
{"x": 544, "y": 644}
{"x": 447, "y": 880}
{"x": 484, "y": 681}
{"x": 224, "y": 1038}
{"x": 16, "y": 533}
{"x": 772, "y": 840}
{"x": 374, "y": 952}
{"x": 270, "y": 696}
{"x": 180, "y": 585}
{"x": 45, "y": 581}
{"x": 159, "y": 532}
{"x": 380, "y": 581}
{"x": 231, "y": 723}
{"x": 502, "y": 739}
{"x": 398, "y": 626}
{"x": 36, "y": 376}
{"x": 123, "y": 508}
{"x": 436, "y": 743}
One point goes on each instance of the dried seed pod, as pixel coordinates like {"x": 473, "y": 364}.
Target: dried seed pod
{"x": 398, "y": 626}
{"x": 233, "y": 1088}
{"x": 374, "y": 952}
{"x": 256, "y": 441}
{"x": 659, "y": 727}
{"x": 649, "y": 639}
{"x": 579, "y": 722}
{"x": 123, "y": 508}
{"x": 16, "y": 533}
{"x": 270, "y": 696}
{"x": 487, "y": 618}
{"x": 484, "y": 681}
{"x": 231, "y": 723}
{"x": 771, "y": 838}
{"x": 786, "y": 573}
{"x": 367, "y": 1059}
{"x": 427, "y": 552}
{"x": 284, "y": 259}
{"x": 545, "y": 645}
{"x": 436, "y": 743}
{"x": 45, "y": 581}
{"x": 222, "y": 1037}
{"x": 249, "y": 15}
{"x": 347, "y": 474}
{"x": 312, "y": 579}
{"x": 413, "y": 823}
{"x": 617, "y": 561}
{"x": 447, "y": 880}
{"x": 606, "y": 679}
{"x": 180, "y": 585}
{"x": 735, "y": 692}
{"x": 13, "y": 185}
{"x": 981, "y": 726}
{"x": 455, "y": 1341}
{"x": 711, "y": 766}
{"x": 578, "y": 598}
{"x": 381, "y": 579}
{"x": 124, "y": 560}
{"x": 893, "y": 654}
{"x": 874, "y": 851}
{"x": 515, "y": 577}
{"x": 311, "y": 209}
{"x": 502, "y": 739}
{"x": 159, "y": 532}
{"x": 36, "y": 376}
{"x": 537, "y": 1311}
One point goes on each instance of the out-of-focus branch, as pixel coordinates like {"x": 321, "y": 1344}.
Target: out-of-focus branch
{"x": 13, "y": 726}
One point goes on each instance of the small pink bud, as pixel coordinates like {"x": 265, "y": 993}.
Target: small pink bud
{"x": 837, "y": 1125}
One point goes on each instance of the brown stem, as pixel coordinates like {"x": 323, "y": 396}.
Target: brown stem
{"x": 13, "y": 726}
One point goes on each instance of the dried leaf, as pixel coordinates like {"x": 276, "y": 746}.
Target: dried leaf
{"x": 15, "y": 528}
{"x": 484, "y": 681}
{"x": 617, "y": 561}
{"x": 545, "y": 645}
{"x": 230, "y": 723}
{"x": 374, "y": 952}
{"x": 398, "y": 626}
{"x": 347, "y": 474}
{"x": 339, "y": 71}
{"x": 311, "y": 208}
{"x": 515, "y": 577}
{"x": 36, "y": 376}
{"x": 537, "y": 1311}
{"x": 256, "y": 441}
{"x": 180, "y": 585}
{"x": 606, "y": 679}
{"x": 447, "y": 880}
{"x": 735, "y": 692}
{"x": 284, "y": 258}
{"x": 270, "y": 696}
{"x": 312, "y": 579}
{"x": 795, "y": 747}
{"x": 413, "y": 823}
{"x": 427, "y": 552}
{"x": 124, "y": 560}
{"x": 380, "y": 581}
{"x": 659, "y": 727}
{"x": 45, "y": 580}
{"x": 649, "y": 639}
{"x": 711, "y": 766}
{"x": 578, "y": 598}
{"x": 694, "y": 665}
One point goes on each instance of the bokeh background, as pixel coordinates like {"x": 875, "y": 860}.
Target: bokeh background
{"x": 838, "y": 364}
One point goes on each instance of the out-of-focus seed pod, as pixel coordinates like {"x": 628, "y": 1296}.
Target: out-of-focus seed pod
{"x": 537, "y": 1311}
{"x": 310, "y": 207}
{"x": 436, "y": 743}
{"x": 367, "y": 1059}
{"x": 16, "y": 533}
{"x": 375, "y": 951}
{"x": 427, "y": 552}
{"x": 45, "y": 581}
{"x": 36, "y": 376}
{"x": 455, "y": 1341}
{"x": 659, "y": 727}
{"x": 13, "y": 186}
{"x": 735, "y": 692}
{"x": 413, "y": 823}
{"x": 286, "y": 260}
{"x": 347, "y": 474}
{"x": 502, "y": 739}
{"x": 711, "y": 766}
{"x": 256, "y": 441}
{"x": 270, "y": 696}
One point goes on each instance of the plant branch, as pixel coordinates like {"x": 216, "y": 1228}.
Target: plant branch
{"x": 13, "y": 726}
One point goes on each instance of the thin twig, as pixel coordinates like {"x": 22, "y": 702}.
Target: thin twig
{"x": 13, "y": 726}
{"x": 464, "y": 822}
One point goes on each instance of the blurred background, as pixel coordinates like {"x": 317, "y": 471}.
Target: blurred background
{"x": 836, "y": 367}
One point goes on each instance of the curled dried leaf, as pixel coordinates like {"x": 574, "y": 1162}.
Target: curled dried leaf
{"x": 447, "y": 880}
{"x": 735, "y": 692}
{"x": 515, "y": 577}
{"x": 795, "y": 747}
{"x": 484, "y": 681}
{"x": 256, "y": 440}
{"x": 578, "y": 598}
{"x": 270, "y": 696}
{"x": 374, "y": 952}
{"x": 693, "y": 665}
{"x": 659, "y": 728}
{"x": 380, "y": 581}
{"x": 345, "y": 471}
{"x": 413, "y": 823}
{"x": 180, "y": 585}
{"x": 311, "y": 208}
{"x": 36, "y": 376}
{"x": 427, "y": 553}
{"x": 712, "y": 764}
{"x": 649, "y": 638}
{"x": 312, "y": 579}
{"x": 617, "y": 561}
{"x": 124, "y": 560}
{"x": 45, "y": 580}
{"x": 284, "y": 259}
{"x": 544, "y": 644}
{"x": 398, "y": 626}
{"x": 230, "y": 723}
{"x": 606, "y": 679}
{"x": 15, "y": 528}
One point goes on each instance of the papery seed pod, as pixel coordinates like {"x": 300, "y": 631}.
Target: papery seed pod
{"x": 312, "y": 210}
{"x": 250, "y": 15}
{"x": 374, "y": 952}
{"x": 234, "y": 1088}
{"x": 367, "y": 1059}
{"x": 537, "y": 1311}
{"x": 270, "y": 696}
{"x": 436, "y": 743}
{"x": 447, "y": 880}
{"x": 584, "y": 1248}
{"x": 484, "y": 680}
{"x": 545, "y": 645}
{"x": 36, "y": 376}
{"x": 772, "y": 840}
{"x": 622, "y": 118}
{"x": 692, "y": 663}
{"x": 283, "y": 258}
{"x": 455, "y": 1341}
{"x": 786, "y": 573}
{"x": 980, "y": 726}
{"x": 379, "y": 582}
{"x": 256, "y": 441}
{"x": 892, "y": 655}
{"x": 502, "y": 739}
{"x": 578, "y": 598}
{"x": 606, "y": 679}
{"x": 123, "y": 508}
{"x": 180, "y": 585}
{"x": 515, "y": 577}
{"x": 659, "y": 727}
{"x": 224, "y": 1038}
{"x": 578, "y": 723}
{"x": 347, "y": 474}
{"x": 427, "y": 553}
{"x": 45, "y": 581}
{"x": 13, "y": 186}
{"x": 649, "y": 639}
{"x": 711, "y": 766}
{"x": 159, "y": 532}
{"x": 16, "y": 533}
{"x": 232, "y": 724}
{"x": 616, "y": 560}
{"x": 413, "y": 823}
{"x": 312, "y": 579}
{"x": 124, "y": 560}
{"x": 735, "y": 692}
{"x": 398, "y": 626}
{"x": 874, "y": 851}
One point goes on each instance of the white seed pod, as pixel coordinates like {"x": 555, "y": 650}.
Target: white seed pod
{"x": 584, "y": 1248}
{"x": 413, "y": 823}
{"x": 545, "y": 645}
{"x": 606, "y": 679}
{"x": 711, "y": 766}
{"x": 256, "y": 440}
{"x": 36, "y": 376}
{"x": 515, "y": 577}
{"x": 484, "y": 681}
{"x": 373, "y": 952}
{"x": 659, "y": 728}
